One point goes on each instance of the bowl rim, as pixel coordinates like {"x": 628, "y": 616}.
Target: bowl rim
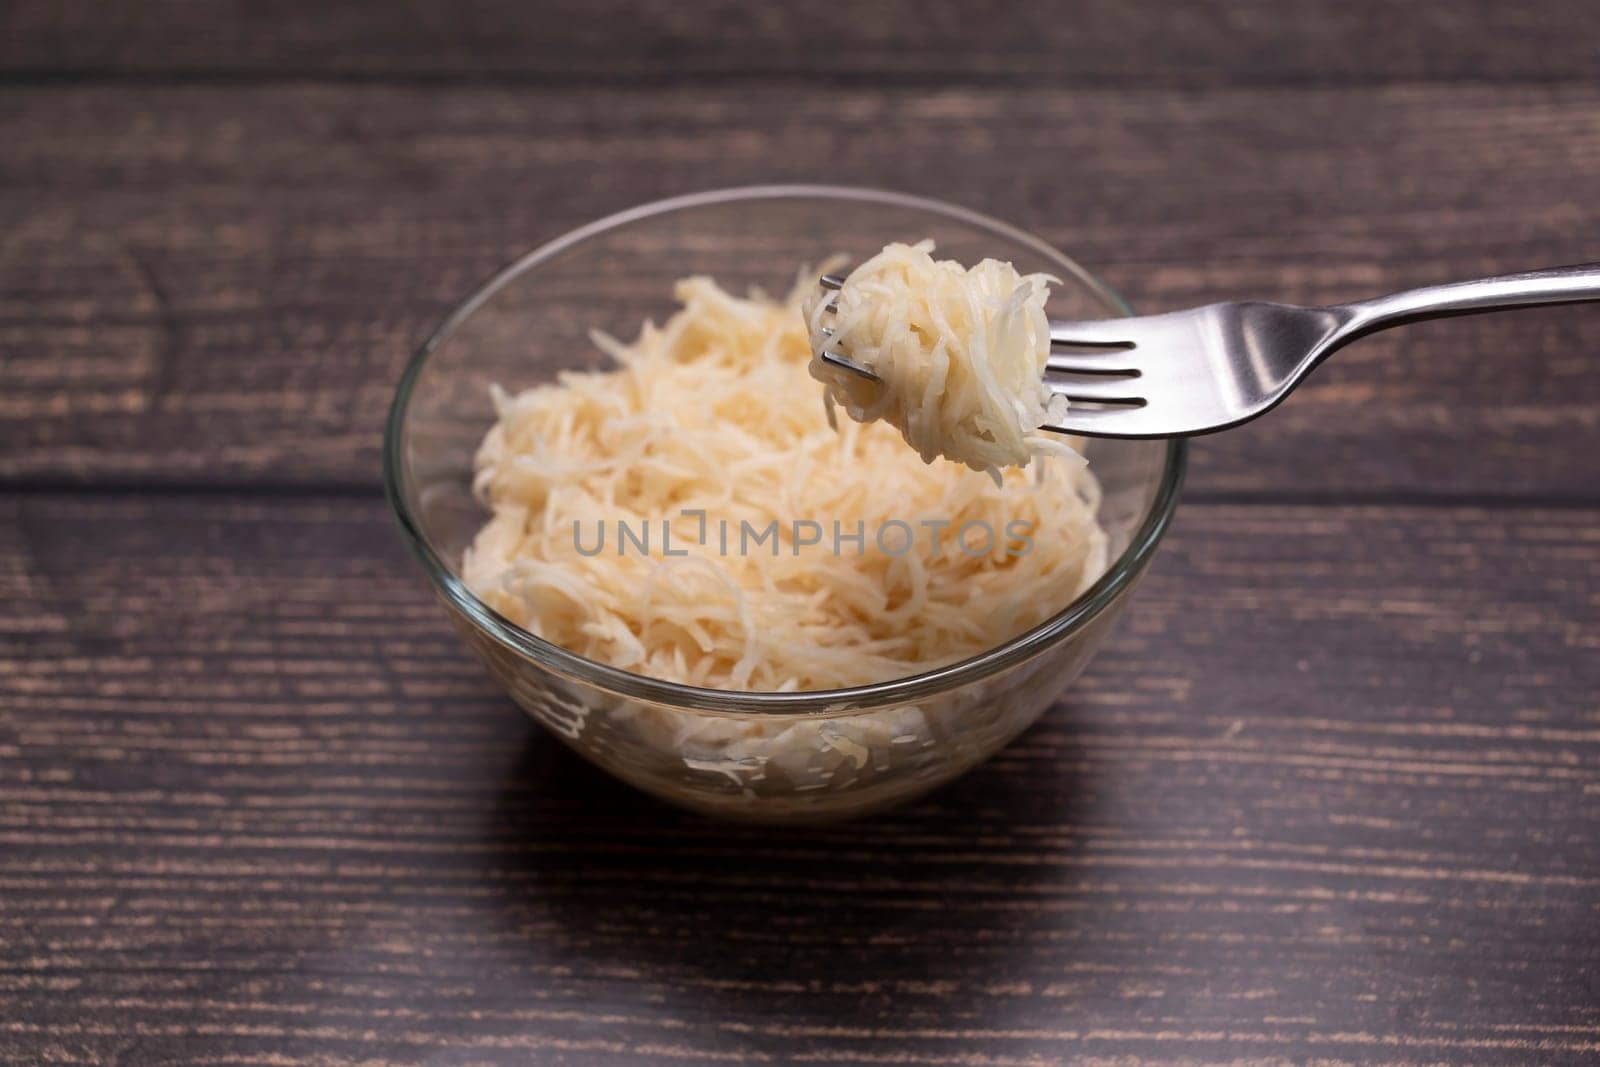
{"x": 1075, "y": 616}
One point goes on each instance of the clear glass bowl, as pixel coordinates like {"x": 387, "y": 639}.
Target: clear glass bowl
{"x": 761, "y": 756}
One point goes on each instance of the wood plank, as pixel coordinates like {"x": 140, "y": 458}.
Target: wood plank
{"x": 1095, "y": 43}
{"x": 222, "y": 286}
{"x": 1329, "y": 794}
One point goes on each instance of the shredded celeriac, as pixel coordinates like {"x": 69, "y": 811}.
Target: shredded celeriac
{"x": 715, "y": 412}
{"x": 960, "y": 355}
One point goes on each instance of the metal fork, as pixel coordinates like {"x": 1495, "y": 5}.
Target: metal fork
{"x": 1212, "y": 367}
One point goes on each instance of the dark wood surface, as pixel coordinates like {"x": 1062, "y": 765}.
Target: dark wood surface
{"x": 264, "y": 259}
{"x": 1092, "y": 42}
{"x": 252, "y": 266}
{"x": 1331, "y": 794}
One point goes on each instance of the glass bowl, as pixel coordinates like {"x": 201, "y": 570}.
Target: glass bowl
{"x": 774, "y": 757}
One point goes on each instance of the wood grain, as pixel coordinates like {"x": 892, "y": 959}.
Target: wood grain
{"x": 1095, "y": 43}
{"x": 250, "y": 267}
{"x": 1333, "y": 793}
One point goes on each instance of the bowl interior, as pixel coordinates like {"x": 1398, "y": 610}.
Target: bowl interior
{"x": 534, "y": 319}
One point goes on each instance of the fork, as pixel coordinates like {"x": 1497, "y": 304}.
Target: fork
{"x": 1212, "y": 367}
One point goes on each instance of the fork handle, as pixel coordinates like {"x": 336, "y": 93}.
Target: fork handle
{"x": 1558, "y": 285}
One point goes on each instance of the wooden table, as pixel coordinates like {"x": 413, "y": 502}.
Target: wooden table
{"x": 1332, "y": 793}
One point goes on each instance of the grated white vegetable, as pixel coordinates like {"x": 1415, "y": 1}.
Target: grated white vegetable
{"x": 715, "y": 411}
{"x": 961, "y": 354}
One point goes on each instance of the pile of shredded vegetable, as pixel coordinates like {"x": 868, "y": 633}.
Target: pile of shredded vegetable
{"x": 708, "y": 428}
{"x": 960, "y": 355}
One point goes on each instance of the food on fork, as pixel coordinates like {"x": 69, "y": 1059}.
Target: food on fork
{"x": 958, "y": 356}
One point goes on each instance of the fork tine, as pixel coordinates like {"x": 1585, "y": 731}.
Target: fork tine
{"x": 1100, "y": 333}
{"x": 1097, "y": 389}
{"x": 833, "y": 359}
{"x": 831, "y": 281}
{"x": 1107, "y": 361}
{"x": 1124, "y": 421}
{"x": 1091, "y": 422}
